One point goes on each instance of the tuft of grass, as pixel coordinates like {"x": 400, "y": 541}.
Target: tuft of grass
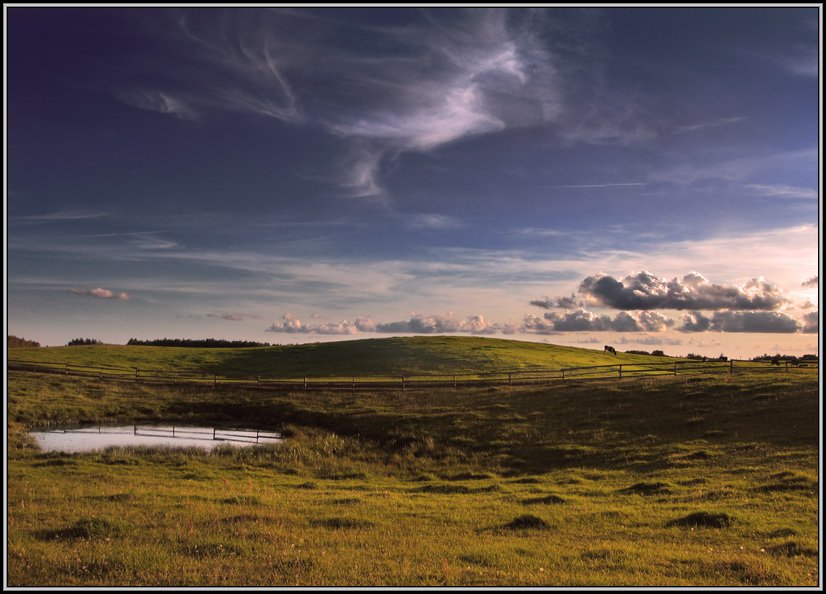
{"x": 702, "y": 519}
{"x": 527, "y": 521}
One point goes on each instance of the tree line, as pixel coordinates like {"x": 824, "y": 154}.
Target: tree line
{"x": 20, "y": 343}
{"x": 208, "y": 343}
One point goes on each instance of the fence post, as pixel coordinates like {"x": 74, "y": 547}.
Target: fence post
{"x": 675, "y": 368}
{"x": 259, "y": 381}
{"x": 731, "y": 367}
{"x": 402, "y": 383}
{"x": 305, "y": 382}
{"x": 354, "y": 382}
{"x": 100, "y": 376}
{"x": 510, "y": 381}
{"x": 454, "y": 383}
{"x": 620, "y": 371}
{"x": 136, "y": 375}
{"x": 67, "y": 370}
{"x": 216, "y": 381}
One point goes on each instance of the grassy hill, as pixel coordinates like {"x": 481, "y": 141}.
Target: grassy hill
{"x": 419, "y": 355}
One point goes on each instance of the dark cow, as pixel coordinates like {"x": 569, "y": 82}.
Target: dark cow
{"x": 610, "y": 349}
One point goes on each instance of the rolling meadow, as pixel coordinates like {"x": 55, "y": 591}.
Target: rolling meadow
{"x": 662, "y": 481}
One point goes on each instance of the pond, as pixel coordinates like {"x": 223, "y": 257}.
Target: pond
{"x": 86, "y": 439}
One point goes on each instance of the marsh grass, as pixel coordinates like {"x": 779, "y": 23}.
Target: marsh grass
{"x": 598, "y": 484}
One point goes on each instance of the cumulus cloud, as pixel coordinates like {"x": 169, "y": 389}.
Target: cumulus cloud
{"x": 561, "y": 302}
{"x": 417, "y": 324}
{"x": 740, "y": 321}
{"x": 810, "y": 282}
{"x": 421, "y": 324}
{"x": 235, "y": 317}
{"x": 292, "y": 325}
{"x": 811, "y": 323}
{"x": 99, "y": 293}
{"x": 644, "y": 291}
{"x": 582, "y": 320}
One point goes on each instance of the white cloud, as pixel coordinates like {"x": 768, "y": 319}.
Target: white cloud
{"x": 99, "y": 293}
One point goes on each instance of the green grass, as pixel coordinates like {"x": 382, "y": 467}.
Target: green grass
{"x": 385, "y": 357}
{"x": 645, "y": 482}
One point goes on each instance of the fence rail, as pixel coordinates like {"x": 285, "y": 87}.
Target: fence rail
{"x": 180, "y": 432}
{"x": 405, "y": 382}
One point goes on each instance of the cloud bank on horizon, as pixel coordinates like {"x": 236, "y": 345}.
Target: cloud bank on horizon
{"x": 750, "y": 307}
{"x": 231, "y": 164}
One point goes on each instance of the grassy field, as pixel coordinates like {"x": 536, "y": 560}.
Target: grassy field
{"x": 365, "y": 358}
{"x": 707, "y": 481}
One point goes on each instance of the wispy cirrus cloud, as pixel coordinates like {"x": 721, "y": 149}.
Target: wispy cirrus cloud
{"x": 159, "y": 101}
{"x": 710, "y": 124}
{"x": 235, "y": 317}
{"x": 61, "y": 215}
{"x": 99, "y": 293}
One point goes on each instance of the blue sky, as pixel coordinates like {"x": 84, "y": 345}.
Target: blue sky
{"x": 642, "y": 177}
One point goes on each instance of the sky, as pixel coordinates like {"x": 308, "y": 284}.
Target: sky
{"x": 642, "y": 177}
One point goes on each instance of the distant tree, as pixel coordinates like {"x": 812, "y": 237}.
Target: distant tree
{"x": 658, "y": 353}
{"x": 693, "y": 356}
{"x": 632, "y": 352}
{"x": 19, "y": 343}
{"x": 83, "y": 342}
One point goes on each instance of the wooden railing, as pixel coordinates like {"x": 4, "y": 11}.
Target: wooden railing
{"x": 417, "y": 381}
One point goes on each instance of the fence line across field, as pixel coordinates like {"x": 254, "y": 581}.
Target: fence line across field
{"x": 417, "y": 381}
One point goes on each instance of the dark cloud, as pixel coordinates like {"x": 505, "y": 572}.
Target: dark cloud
{"x": 740, "y": 321}
{"x": 810, "y": 282}
{"x": 811, "y": 323}
{"x": 644, "y": 291}
{"x": 561, "y": 302}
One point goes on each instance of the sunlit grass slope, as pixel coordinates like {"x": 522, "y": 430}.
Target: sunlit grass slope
{"x": 660, "y": 482}
{"x": 363, "y": 358}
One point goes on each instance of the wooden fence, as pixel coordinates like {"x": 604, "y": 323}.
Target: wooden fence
{"x": 181, "y": 432}
{"x": 406, "y": 382}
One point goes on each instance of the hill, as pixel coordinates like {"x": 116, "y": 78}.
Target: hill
{"x": 418, "y": 355}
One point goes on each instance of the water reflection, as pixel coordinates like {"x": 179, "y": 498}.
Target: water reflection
{"x": 93, "y": 438}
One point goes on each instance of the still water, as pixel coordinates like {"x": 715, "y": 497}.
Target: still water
{"x": 94, "y": 438}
